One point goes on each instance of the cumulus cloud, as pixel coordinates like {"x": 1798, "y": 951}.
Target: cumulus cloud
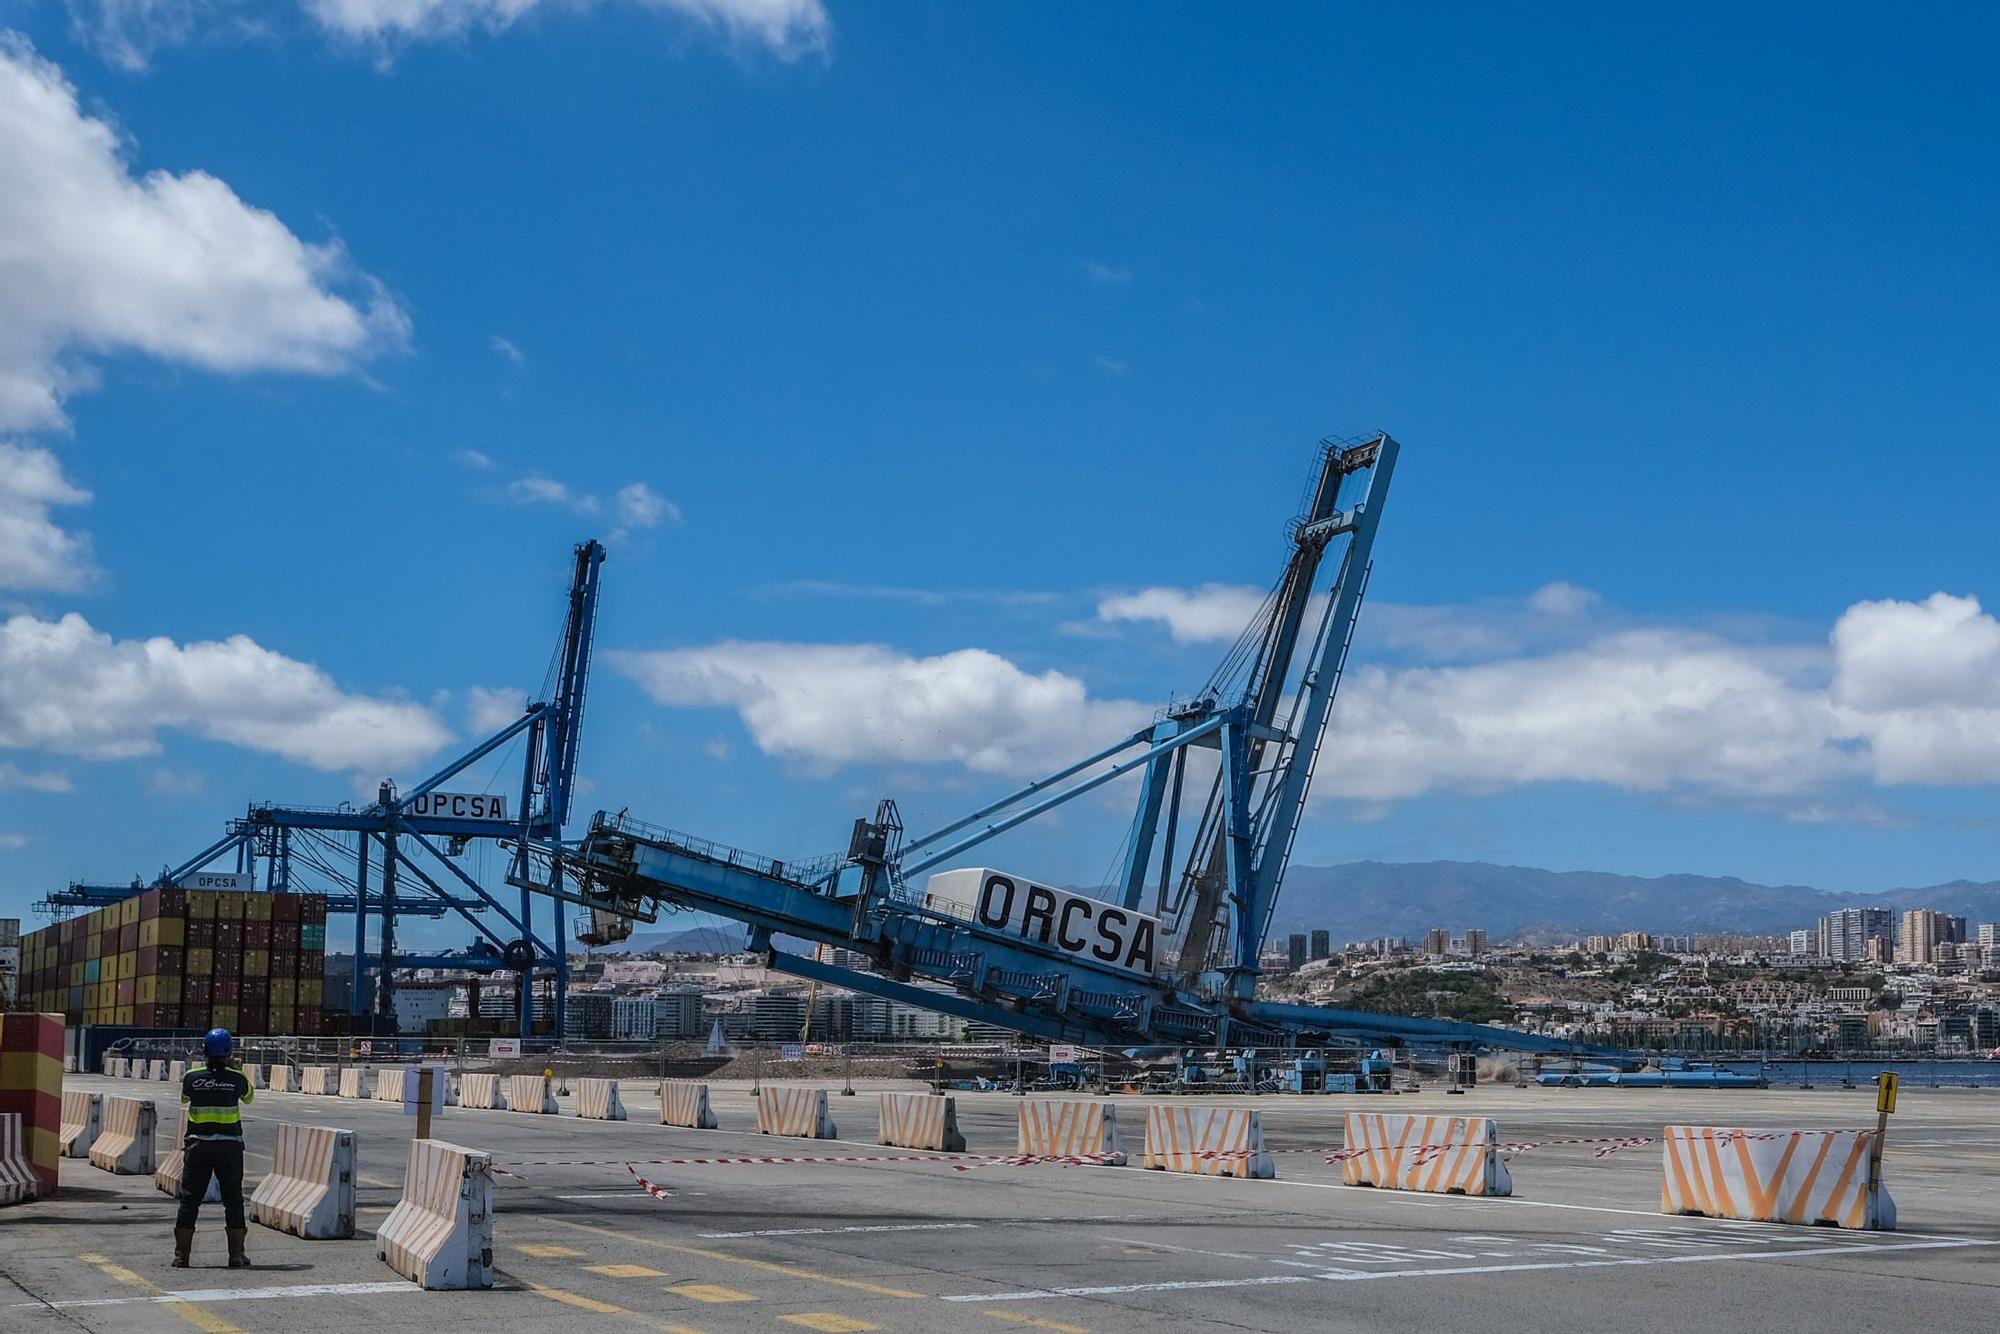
{"x": 505, "y": 349}
{"x": 1212, "y": 612}
{"x": 1898, "y": 693}
{"x": 834, "y": 704}
{"x": 127, "y": 32}
{"x": 74, "y": 690}
{"x": 1101, "y": 274}
{"x": 640, "y": 506}
{"x": 788, "y": 29}
{"x": 487, "y": 709}
{"x": 547, "y": 491}
{"x": 35, "y": 552}
{"x": 94, "y": 259}
{"x": 635, "y": 505}
{"x": 13, "y": 778}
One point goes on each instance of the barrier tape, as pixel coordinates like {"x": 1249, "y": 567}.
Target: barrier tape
{"x": 732, "y": 1161}
{"x": 656, "y": 1191}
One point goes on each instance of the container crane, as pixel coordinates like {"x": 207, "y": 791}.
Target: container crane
{"x": 1169, "y": 953}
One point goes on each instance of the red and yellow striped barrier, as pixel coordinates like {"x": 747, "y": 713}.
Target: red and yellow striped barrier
{"x": 1773, "y": 1176}
{"x": 31, "y": 1087}
{"x": 309, "y": 1191}
{"x": 794, "y": 1110}
{"x": 1449, "y": 1155}
{"x": 920, "y": 1121}
{"x": 684, "y": 1102}
{"x": 440, "y": 1234}
{"x": 1063, "y": 1127}
{"x": 1207, "y": 1141}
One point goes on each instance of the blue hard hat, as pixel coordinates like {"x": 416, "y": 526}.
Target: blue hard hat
{"x": 217, "y": 1044}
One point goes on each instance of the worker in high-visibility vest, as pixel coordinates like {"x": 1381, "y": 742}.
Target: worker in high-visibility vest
{"x": 214, "y": 1095}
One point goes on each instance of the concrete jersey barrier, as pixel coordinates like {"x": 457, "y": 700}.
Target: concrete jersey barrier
{"x": 173, "y": 1168}
{"x": 597, "y": 1100}
{"x": 125, "y": 1144}
{"x": 796, "y": 1111}
{"x": 17, "y": 1175}
{"x": 531, "y": 1093}
{"x": 315, "y": 1079}
{"x": 440, "y": 1234}
{"x": 176, "y": 1070}
{"x": 114, "y": 1067}
{"x": 481, "y": 1091}
{"x": 1446, "y": 1155}
{"x": 281, "y": 1078}
{"x": 82, "y": 1118}
{"x": 1773, "y": 1176}
{"x": 683, "y": 1102}
{"x": 309, "y": 1191}
{"x": 1066, "y": 1127}
{"x": 350, "y": 1082}
{"x": 255, "y": 1074}
{"x": 1208, "y": 1141}
{"x": 389, "y": 1085}
{"x": 156, "y": 1069}
{"x": 920, "y": 1121}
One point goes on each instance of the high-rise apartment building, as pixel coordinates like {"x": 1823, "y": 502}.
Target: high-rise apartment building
{"x": 1437, "y": 941}
{"x": 1844, "y": 936}
{"x": 1297, "y": 951}
{"x": 1322, "y": 944}
{"x": 1475, "y": 942}
{"x": 1921, "y": 934}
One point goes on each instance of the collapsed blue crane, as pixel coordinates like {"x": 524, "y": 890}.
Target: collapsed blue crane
{"x": 414, "y": 838}
{"x": 999, "y": 948}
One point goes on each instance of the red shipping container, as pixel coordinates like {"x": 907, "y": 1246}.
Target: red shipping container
{"x": 172, "y": 960}
{"x": 199, "y": 993}
{"x": 255, "y": 991}
{"x": 149, "y": 961}
{"x": 227, "y": 990}
{"x": 128, "y": 937}
{"x": 284, "y": 907}
{"x": 201, "y": 933}
{"x": 256, "y": 936}
{"x": 228, "y": 962}
{"x": 128, "y": 990}
{"x": 251, "y": 1019}
{"x": 313, "y": 908}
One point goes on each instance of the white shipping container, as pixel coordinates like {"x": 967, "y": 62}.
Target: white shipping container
{"x": 1062, "y": 919}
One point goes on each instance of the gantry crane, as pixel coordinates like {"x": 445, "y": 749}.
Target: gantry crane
{"x": 1169, "y": 953}
{"x": 414, "y": 839}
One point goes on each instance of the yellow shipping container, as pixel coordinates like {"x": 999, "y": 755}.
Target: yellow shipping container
{"x": 257, "y": 907}
{"x": 229, "y": 905}
{"x": 201, "y": 904}
{"x": 200, "y": 961}
{"x": 256, "y": 963}
{"x": 310, "y": 990}
{"x": 149, "y": 932}
{"x": 284, "y": 991}
{"x": 128, "y": 911}
{"x": 223, "y": 1016}
{"x": 128, "y": 964}
{"x": 167, "y": 990}
{"x": 281, "y": 1019}
{"x": 173, "y": 931}
{"x": 147, "y": 993}
{"x": 125, "y": 1015}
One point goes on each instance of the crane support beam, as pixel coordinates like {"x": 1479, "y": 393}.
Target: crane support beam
{"x": 1403, "y": 1030}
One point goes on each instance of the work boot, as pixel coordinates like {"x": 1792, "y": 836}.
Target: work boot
{"x": 237, "y": 1259}
{"x": 183, "y": 1243}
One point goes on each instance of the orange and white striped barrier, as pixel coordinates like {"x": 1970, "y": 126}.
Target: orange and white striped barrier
{"x": 350, "y": 1082}
{"x": 309, "y": 1191}
{"x": 1773, "y": 1176}
{"x": 281, "y": 1078}
{"x": 440, "y": 1234}
{"x": 920, "y": 1121}
{"x": 1451, "y": 1155}
{"x": 18, "y": 1181}
{"x": 481, "y": 1091}
{"x": 794, "y": 1110}
{"x": 1064, "y": 1128}
{"x": 389, "y": 1085}
{"x": 1208, "y": 1141}
{"x": 82, "y": 1118}
{"x": 535, "y": 1094}
{"x": 316, "y": 1079}
{"x": 125, "y": 1144}
{"x": 683, "y": 1102}
{"x": 597, "y": 1100}
{"x": 173, "y": 1169}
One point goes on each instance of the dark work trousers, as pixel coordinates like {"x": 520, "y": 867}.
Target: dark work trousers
{"x": 222, "y": 1160}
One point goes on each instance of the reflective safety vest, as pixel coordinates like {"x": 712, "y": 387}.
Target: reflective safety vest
{"x": 215, "y": 1098}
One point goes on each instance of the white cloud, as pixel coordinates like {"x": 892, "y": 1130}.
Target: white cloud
{"x": 13, "y": 778}
{"x": 505, "y": 349}
{"x": 639, "y": 506}
{"x": 1101, "y": 274}
{"x": 787, "y": 29}
{"x": 487, "y": 709}
{"x": 471, "y": 458}
{"x": 834, "y": 704}
{"x": 127, "y": 32}
{"x": 547, "y": 491}
{"x": 35, "y": 553}
{"x": 14, "y": 842}
{"x": 73, "y": 690}
{"x": 1212, "y": 612}
{"x": 176, "y": 782}
{"x": 96, "y": 260}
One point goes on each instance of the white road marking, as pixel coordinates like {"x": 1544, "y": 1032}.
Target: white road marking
{"x": 1349, "y": 1276}
{"x": 824, "y": 1231}
{"x": 203, "y": 1295}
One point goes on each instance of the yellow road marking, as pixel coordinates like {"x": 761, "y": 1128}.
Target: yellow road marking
{"x": 547, "y": 1252}
{"x": 206, "y": 1321}
{"x": 1016, "y": 1318}
{"x": 710, "y": 1292}
{"x": 765, "y": 1266}
{"x": 826, "y": 1322}
{"x": 600, "y": 1308}
{"x": 626, "y": 1271}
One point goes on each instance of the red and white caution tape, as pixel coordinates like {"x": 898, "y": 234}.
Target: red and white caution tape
{"x": 1043, "y": 1159}
{"x": 658, "y": 1192}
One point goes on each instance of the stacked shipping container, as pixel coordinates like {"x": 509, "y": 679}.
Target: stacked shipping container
{"x": 185, "y": 958}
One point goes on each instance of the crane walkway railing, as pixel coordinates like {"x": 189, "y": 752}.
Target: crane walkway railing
{"x": 810, "y": 874}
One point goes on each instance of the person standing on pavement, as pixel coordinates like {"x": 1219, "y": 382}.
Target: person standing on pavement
{"x": 214, "y": 1096}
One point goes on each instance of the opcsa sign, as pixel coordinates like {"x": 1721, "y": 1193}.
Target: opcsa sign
{"x": 1062, "y": 919}
{"x": 459, "y": 806}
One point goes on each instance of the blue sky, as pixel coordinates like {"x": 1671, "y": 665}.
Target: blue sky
{"x": 939, "y": 375}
